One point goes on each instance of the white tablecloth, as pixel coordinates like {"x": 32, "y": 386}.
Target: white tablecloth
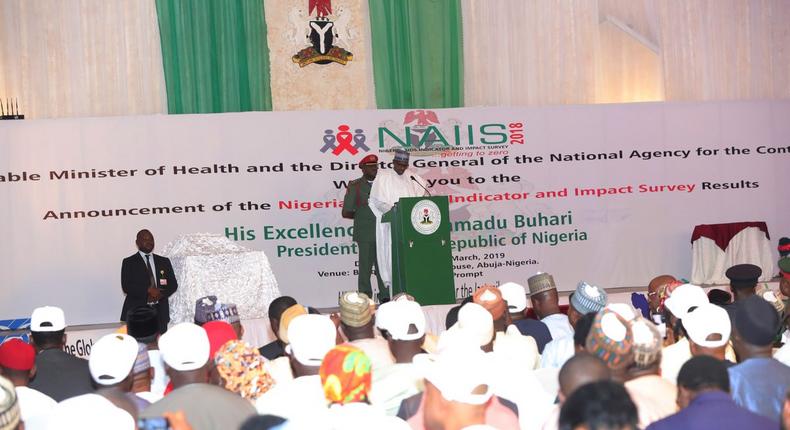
{"x": 710, "y": 262}
{"x": 212, "y": 265}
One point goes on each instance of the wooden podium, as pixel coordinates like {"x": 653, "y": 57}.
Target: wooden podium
{"x": 422, "y": 261}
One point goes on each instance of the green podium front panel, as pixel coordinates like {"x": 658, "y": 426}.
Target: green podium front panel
{"x": 422, "y": 261}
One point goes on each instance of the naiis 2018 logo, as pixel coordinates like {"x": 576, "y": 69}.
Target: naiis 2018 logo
{"x": 343, "y": 140}
{"x": 423, "y": 130}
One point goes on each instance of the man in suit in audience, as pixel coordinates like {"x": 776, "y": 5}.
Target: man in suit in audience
{"x": 705, "y": 401}
{"x": 148, "y": 279}
{"x": 58, "y": 374}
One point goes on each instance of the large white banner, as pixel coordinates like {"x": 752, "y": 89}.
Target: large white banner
{"x": 607, "y": 193}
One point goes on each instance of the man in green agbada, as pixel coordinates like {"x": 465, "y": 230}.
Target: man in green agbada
{"x": 355, "y": 206}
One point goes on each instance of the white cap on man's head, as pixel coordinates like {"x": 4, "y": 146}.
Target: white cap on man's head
{"x": 708, "y": 325}
{"x": 112, "y": 358}
{"x": 474, "y": 323}
{"x": 684, "y": 299}
{"x": 311, "y": 337}
{"x": 515, "y": 295}
{"x": 185, "y": 347}
{"x": 47, "y": 318}
{"x": 511, "y": 347}
{"x": 89, "y": 412}
{"x": 623, "y": 309}
{"x": 405, "y": 321}
{"x": 462, "y": 372}
{"x": 383, "y": 315}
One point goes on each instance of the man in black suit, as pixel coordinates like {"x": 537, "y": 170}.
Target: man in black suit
{"x": 148, "y": 279}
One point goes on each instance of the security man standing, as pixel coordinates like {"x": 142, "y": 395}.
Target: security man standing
{"x": 355, "y": 206}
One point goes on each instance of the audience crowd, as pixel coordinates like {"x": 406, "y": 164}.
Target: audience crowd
{"x": 677, "y": 358}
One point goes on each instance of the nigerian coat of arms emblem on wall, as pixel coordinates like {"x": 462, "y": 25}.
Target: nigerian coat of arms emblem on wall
{"x": 326, "y": 30}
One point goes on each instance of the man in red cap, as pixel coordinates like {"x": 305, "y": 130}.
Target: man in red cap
{"x": 355, "y": 206}
{"x": 18, "y": 365}
{"x": 219, "y": 333}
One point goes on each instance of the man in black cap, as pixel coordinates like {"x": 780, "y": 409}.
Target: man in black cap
{"x": 142, "y": 323}
{"x": 759, "y": 382}
{"x": 784, "y": 247}
{"x": 743, "y": 283}
{"x": 743, "y": 280}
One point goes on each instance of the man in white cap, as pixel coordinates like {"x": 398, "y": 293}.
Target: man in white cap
{"x": 654, "y": 396}
{"x": 388, "y": 188}
{"x": 683, "y": 301}
{"x": 516, "y": 298}
{"x": 586, "y": 299}
{"x": 404, "y": 327}
{"x": 709, "y": 329}
{"x": 515, "y": 358}
{"x": 310, "y": 337}
{"x": 185, "y": 350}
{"x": 458, "y": 390}
{"x": 88, "y": 412}
{"x": 475, "y": 324}
{"x": 404, "y": 324}
{"x": 111, "y": 364}
{"x": 59, "y": 375}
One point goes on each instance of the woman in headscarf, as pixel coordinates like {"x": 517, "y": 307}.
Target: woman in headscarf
{"x": 242, "y": 370}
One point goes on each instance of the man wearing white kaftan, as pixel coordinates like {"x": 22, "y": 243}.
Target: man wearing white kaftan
{"x": 388, "y": 187}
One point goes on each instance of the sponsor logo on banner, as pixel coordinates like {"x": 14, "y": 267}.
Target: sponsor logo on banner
{"x": 343, "y": 140}
{"x": 326, "y": 31}
{"x": 78, "y": 342}
{"x": 15, "y": 324}
{"x": 12, "y": 328}
{"x": 425, "y": 217}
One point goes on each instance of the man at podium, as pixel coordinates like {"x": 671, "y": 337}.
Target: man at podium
{"x": 388, "y": 187}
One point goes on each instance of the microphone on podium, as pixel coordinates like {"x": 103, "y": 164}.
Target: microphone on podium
{"x": 418, "y": 183}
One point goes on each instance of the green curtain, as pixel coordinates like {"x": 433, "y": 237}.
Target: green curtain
{"x": 417, "y": 53}
{"x": 215, "y": 55}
